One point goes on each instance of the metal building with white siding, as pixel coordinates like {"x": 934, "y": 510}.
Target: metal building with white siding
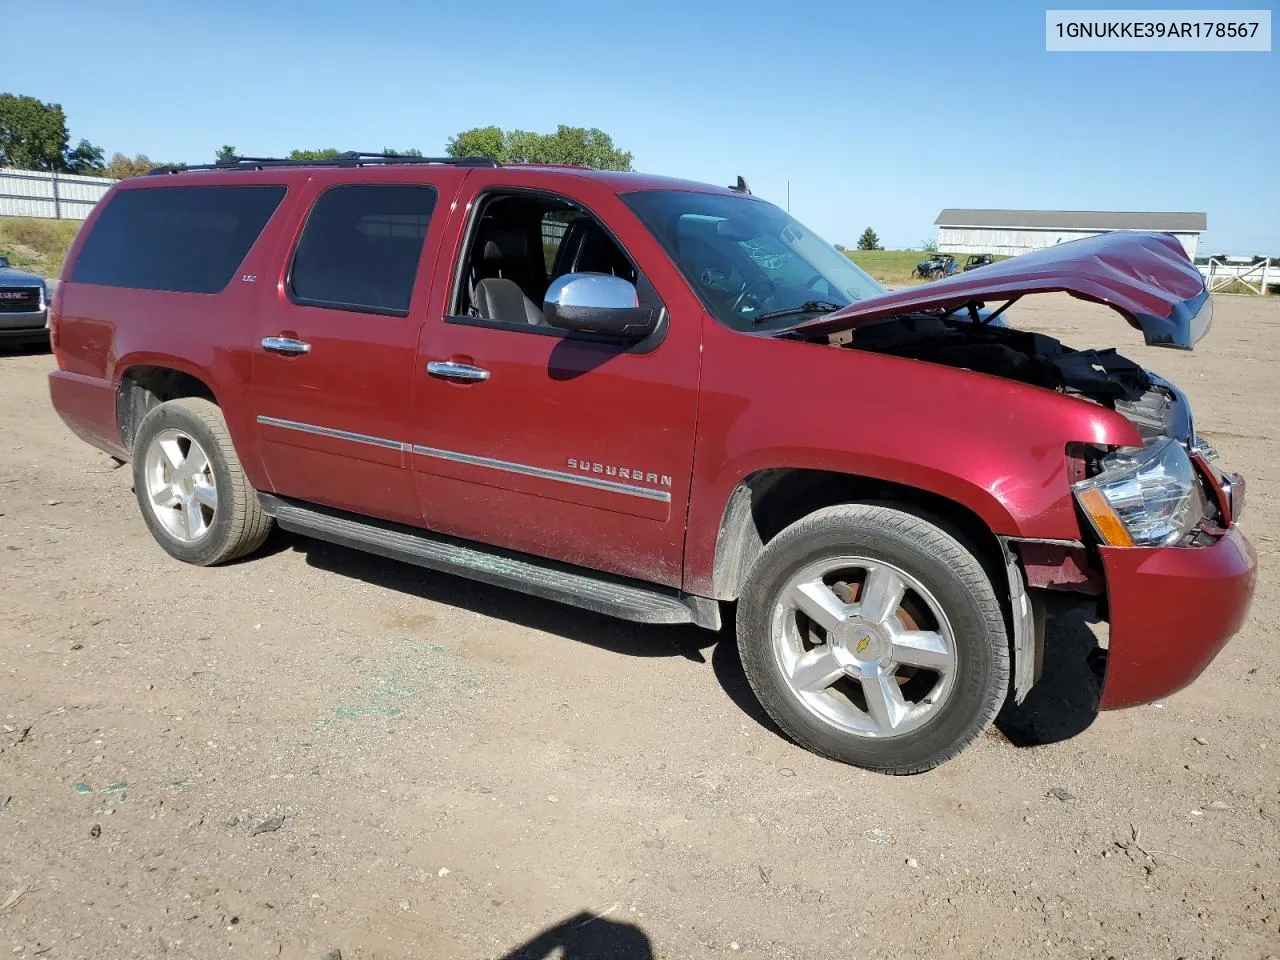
{"x": 1011, "y": 232}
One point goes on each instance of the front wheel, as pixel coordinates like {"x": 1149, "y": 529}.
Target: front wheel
{"x": 874, "y": 637}
{"x": 193, "y": 493}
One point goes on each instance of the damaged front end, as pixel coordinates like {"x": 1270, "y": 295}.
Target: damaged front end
{"x": 1159, "y": 553}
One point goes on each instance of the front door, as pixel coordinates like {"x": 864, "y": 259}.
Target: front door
{"x": 543, "y": 442}
{"x": 333, "y": 369}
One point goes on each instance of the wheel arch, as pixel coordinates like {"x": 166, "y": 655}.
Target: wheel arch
{"x": 763, "y": 503}
{"x": 143, "y": 385}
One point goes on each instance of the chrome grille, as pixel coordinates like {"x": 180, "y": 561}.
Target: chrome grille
{"x": 19, "y": 299}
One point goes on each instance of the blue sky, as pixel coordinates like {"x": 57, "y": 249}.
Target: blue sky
{"x": 879, "y": 114}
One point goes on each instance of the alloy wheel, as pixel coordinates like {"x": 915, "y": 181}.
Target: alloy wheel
{"x": 864, "y": 646}
{"x": 180, "y": 485}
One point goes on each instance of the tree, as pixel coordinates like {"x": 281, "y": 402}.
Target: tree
{"x": 571, "y": 145}
{"x": 411, "y": 152}
{"x": 326, "y": 153}
{"x": 929, "y": 246}
{"x": 84, "y": 159}
{"x": 869, "y": 240}
{"x": 225, "y": 154}
{"x": 120, "y": 167}
{"x": 33, "y": 136}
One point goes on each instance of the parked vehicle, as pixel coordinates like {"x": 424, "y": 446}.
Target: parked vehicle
{"x": 651, "y": 398}
{"x": 24, "y": 316}
{"x": 977, "y": 260}
{"x": 936, "y": 267}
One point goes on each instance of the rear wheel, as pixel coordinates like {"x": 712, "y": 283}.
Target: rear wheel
{"x": 193, "y": 493}
{"x": 874, "y": 637}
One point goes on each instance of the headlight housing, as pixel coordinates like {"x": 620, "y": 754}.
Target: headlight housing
{"x": 1143, "y": 497}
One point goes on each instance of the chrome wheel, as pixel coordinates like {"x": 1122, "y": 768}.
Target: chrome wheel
{"x": 180, "y": 486}
{"x": 864, "y": 646}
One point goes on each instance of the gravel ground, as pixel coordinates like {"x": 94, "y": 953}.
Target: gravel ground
{"x": 316, "y": 754}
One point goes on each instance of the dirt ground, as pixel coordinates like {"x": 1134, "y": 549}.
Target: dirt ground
{"x": 467, "y": 773}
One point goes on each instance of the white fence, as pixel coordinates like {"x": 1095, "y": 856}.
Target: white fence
{"x": 61, "y": 196}
{"x": 1255, "y": 277}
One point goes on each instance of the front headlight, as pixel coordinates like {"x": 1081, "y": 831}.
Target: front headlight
{"x": 1143, "y": 497}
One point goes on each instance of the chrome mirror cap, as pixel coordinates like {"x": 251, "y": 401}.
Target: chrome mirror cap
{"x": 597, "y": 303}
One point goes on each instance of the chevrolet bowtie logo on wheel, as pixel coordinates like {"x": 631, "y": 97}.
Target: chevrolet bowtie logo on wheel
{"x": 863, "y": 644}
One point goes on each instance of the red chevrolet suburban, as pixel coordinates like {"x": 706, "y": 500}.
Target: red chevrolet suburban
{"x": 655, "y": 398}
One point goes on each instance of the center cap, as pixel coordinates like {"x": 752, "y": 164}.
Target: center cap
{"x": 859, "y": 640}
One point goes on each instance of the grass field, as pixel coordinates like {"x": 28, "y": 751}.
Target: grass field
{"x": 36, "y": 244}
{"x": 894, "y": 266}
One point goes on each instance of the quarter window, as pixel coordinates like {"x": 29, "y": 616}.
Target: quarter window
{"x": 360, "y": 248}
{"x": 180, "y": 239}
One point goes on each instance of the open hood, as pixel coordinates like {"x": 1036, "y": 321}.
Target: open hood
{"x": 1146, "y": 277}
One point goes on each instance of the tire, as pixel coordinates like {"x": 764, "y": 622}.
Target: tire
{"x": 190, "y": 487}
{"x": 847, "y": 672}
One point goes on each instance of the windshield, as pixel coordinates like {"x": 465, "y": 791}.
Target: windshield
{"x": 754, "y": 267}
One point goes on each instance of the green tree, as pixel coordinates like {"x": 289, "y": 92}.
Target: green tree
{"x": 869, "y": 240}
{"x": 929, "y": 246}
{"x": 225, "y": 154}
{"x": 33, "y": 136}
{"x": 85, "y": 158}
{"x": 572, "y": 145}
{"x": 326, "y": 153}
{"x": 411, "y": 152}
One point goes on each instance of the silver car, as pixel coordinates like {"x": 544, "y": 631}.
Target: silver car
{"x": 24, "y": 306}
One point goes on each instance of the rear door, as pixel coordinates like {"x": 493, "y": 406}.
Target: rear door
{"x": 569, "y": 448}
{"x": 333, "y": 365}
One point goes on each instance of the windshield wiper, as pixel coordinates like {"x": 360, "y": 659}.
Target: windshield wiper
{"x": 809, "y": 306}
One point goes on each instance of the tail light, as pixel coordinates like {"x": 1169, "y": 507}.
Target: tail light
{"x": 54, "y": 306}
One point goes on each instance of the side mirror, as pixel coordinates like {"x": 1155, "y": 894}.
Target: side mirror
{"x": 597, "y": 303}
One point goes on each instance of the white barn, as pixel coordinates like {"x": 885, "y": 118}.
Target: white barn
{"x": 1011, "y": 232}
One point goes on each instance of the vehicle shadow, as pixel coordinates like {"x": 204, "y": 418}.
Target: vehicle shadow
{"x": 608, "y": 633}
{"x": 22, "y": 349}
{"x": 1064, "y": 701}
{"x": 1062, "y": 704}
{"x": 586, "y": 936}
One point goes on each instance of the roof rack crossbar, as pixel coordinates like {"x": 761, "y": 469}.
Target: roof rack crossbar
{"x": 349, "y": 158}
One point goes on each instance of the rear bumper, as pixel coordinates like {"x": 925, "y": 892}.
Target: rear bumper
{"x": 1171, "y": 609}
{"x": 88, "y": 406}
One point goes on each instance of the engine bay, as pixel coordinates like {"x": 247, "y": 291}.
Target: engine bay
{"x": 1103, "y": 376}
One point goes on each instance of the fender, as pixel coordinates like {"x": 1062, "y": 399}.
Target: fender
{"x": 995, "y": 447}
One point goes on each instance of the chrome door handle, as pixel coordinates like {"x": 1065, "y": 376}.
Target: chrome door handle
{"x": 285, "y": 345}
{"x": 457, "y": 371}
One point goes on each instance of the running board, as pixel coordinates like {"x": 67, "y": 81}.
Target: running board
{"x": 578, "y": 587}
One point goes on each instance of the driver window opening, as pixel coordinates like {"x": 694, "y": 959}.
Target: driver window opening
{"x": 519, "y": 245}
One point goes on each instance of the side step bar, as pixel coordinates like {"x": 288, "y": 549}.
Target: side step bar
{"x": 578, "y": 587}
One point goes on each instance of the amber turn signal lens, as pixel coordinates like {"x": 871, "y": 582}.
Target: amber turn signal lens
{"x": 1104, "y": 518}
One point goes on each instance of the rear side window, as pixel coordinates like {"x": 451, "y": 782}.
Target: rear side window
{"x": 182, "y": 239}
{"x": 360, "y": 248}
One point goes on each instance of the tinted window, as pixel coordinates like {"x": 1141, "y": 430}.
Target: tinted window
{"x": 185, "y": 239}
{"x": 361, "y": 246}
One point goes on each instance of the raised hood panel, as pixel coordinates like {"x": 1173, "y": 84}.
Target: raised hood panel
{"x": 1146, "y": 277}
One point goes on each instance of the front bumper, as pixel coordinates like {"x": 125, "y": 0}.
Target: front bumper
{"x": 1171, "y": 610}
{"x": 31, "y": 326}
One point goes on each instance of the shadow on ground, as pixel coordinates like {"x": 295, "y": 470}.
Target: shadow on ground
{"x": 586, "y": 936}
{"x": 1064, "y": 702}
{"x": 1061, "y": 705}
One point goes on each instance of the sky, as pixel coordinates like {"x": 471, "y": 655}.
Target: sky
{"x": 878, "y": 115}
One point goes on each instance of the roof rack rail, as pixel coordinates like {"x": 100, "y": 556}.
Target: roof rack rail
{"x": 350, "y": 158}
